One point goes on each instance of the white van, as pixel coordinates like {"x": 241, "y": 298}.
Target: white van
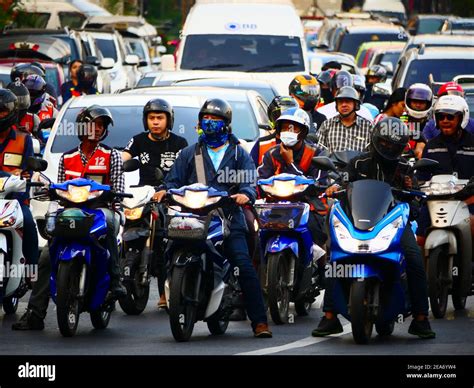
{"x": 262, "y": 38}
{"x": 48, "y": 15}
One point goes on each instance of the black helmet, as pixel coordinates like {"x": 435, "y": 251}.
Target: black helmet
{"x": 278, "y": 105}
{"x": 340, "y": 79}
{"x": 159, "y": 105}
{"x": 9, "y": 103}
{"x": 217, "y": 107}
{"x": 23, "y": 70}
{"x": 350, "y": 93}
{"x": 91, "y": 113}
{"x": 389, "y": 138}
{"x": 377, "y": 71}
{"x": 23, "y": 96}
{"x": 326, "y": 76}
{"x": 87, "y": 76}
{"x": 40, "y": 66}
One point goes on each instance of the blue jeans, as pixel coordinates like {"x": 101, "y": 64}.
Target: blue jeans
{"x": 30, "y": 236}
{"x": 238, "y": 255}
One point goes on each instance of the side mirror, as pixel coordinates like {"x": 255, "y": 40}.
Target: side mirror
{"x": 168, "y": 63}
{"x": 324, "y": 163}
{"x": 46, "y": 124}
{"x": 159, "y": 174}
{"x": 265, "y": 127}
{"x": 142, "y": 63}
{"x": 131, "y": 165}
{"x": 36, "y": 164}
{"x": 131, "y": 60}
{"x": 92, "y": 60}
{"x": 107, "y": 63}
{"x": 425, "y": 164}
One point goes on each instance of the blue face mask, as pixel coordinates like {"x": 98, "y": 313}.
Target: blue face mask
{"x": 212, "y": 132}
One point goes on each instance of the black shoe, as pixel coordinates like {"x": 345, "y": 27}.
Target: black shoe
{"x": 422, "y": 329}
{"x": 238, "y": 315}
{"x": 29, "y": 321}
{"x": 327, "y": 327}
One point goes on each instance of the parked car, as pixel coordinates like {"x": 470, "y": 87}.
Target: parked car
{"x": 425, "y": 24}
{"x": 458, "y": 24}
{"x": 433, "y": 40}
{"x": 394, "y": 10}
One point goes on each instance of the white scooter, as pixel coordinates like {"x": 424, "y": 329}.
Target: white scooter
{"x": 13, "y": 272}
{"x": 448, "y": 246}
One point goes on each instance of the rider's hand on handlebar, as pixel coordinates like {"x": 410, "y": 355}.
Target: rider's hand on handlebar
{"x": 332, "y": 189}
{"x": 158, "y": 196}
{"x": 240, "y": 199}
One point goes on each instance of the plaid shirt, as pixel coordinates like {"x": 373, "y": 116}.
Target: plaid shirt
{"x": 117, "y": 177}
{"x": 335, "y": 136}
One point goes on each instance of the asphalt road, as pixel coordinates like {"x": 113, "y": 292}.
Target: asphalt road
{"x": 150, "y": 334}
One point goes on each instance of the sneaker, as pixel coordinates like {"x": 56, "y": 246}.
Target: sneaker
{"x": 162, "y": 302}
{"x": 262, "y": 331}
{"x": 327, "y": 327}
{"x": 422, "y": 329}
{"x": 29, "y": 321}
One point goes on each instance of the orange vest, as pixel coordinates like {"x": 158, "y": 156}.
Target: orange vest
{"x": 97, "y": 167}
{"x": 27, "y": 123}
{"x": 305, "y": 162}
{"x": 11, "y": 157}
{"x": 264, "y": 147}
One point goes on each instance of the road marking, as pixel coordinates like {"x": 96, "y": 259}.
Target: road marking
{"x": 297, "y": 344}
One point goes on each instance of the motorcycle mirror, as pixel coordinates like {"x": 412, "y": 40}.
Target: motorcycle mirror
{"x": 131, "y": 165}
{"x": 46, "y": 124}
{"x": 425, "y": 164}
{"x": 159, "y": 174}
{"x": 36, "y": 164}
{"x": 324, "y": 163}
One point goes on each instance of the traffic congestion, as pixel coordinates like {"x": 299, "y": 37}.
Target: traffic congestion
{"x": 278, "y": 178}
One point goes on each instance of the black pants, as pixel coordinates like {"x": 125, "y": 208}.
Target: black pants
{"x": 416, "y": 276}
{"x": 316, "y": 227}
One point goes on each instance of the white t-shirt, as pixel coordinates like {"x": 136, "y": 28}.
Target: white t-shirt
{"x": 330, "y": 111}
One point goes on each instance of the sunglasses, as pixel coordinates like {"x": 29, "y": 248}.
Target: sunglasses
{"x": 447, "y": 116}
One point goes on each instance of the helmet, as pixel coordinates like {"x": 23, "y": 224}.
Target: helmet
{"x": 37, "y": 88}
{"x": 305, "y": 88}
{"x": 214, "y": 133}
{"x": 389, "y": 138}
{"x": 40, "y": 66}
{"x": 22, "y": 70}
{"x": 23, "y": 96}
{"x": 359, "y": 84}
{"x": 91, "y": 113}
{"x": 325, "y": 77}
{"x": 87, "y": 76}
{"x": 217, "y": 107}
{"x": 278, "y": 105}
{"x": 451, "y": 88}
{"x": 159, "y": 105}
{"x": 340, "y": 79}
{"x": 454, "y": 105}
{"x": 377, "y": 71}
{"x": 420, "y": 92}
{"x": 297, "y": 116}
{"x": 9, "y": 103}
{"x": 350, "y": 93}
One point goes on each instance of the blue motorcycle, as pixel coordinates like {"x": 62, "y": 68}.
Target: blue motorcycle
{"x": 287, "y": 244}
{"x": 367, "y": 260}
{"x": 79, "y": 255}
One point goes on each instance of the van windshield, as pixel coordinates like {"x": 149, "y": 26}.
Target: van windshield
{"x": 253, "y": 53}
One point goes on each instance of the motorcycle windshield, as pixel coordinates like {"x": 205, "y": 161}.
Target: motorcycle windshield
{"x": 369, "y": 201}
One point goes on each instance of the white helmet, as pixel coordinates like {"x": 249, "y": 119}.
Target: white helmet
{"x": 295, "y": 115}
{"x": 453, "y": 105}
{"x": 420, "y": 92}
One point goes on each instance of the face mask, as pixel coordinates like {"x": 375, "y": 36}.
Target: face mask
{"x": 289, "y": 139}
{"x": 212, "y": 132}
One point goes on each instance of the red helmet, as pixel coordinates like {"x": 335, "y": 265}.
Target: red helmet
{"x": 451, "y": 88}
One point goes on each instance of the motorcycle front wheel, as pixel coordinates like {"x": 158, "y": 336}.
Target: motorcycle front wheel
{"x": 67, "y": 303}
{"x": 278, "y": 287}
{"x": 361, "y": 323}
{"x": 438, "y": 286}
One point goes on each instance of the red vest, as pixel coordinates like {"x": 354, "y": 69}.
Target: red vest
{"x": 264, "y": 147}
{"x": 305, "y": 162}
{"x": 97, "y": 168}
{"x": 11, "y": 157}
{"x": 27, "y": 123}
{"x": 46, "y": 111}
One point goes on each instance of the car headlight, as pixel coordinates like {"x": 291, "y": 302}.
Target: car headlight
{"x": 195, "y": 199}
{"x": 283, "y": 189}
{"x": 379, "y": 243}
{"x": 442, "y": 188}
{"x": 134, "y": 214}
{"x": 78, "y": 194}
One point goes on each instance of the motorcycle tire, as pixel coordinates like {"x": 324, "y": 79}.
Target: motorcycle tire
{"x": 67, "y": 304}
{"x": 277, "y": 290}
{"x": 437, "y": 291}
{"x": 10, "y": 304}
{"x": 361, "y": 323}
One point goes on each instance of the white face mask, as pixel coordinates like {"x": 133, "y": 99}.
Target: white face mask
{"x": 289, "y": 139}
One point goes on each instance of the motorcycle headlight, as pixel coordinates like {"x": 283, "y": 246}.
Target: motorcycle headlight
{"x": 195, "y": 199}
{"x": 379, "y": 243}
{"x": 442, "y": 188}
{"x": 134, "y": 214}
{"x": 283, "y": 189}
{"x": 78, "y": 194}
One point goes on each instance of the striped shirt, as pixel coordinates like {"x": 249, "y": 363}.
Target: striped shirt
{"x": 335, "y": 136}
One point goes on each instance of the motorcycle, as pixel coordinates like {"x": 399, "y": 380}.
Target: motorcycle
{"x": 287, "y": 245}
{"x": 79, "y": 256}
{"x": 13, "y": 272}
{"x": 141, "y": 214}
{"x": 200, "y": 279}
{"x": 366, "y": 254}
{"x": 448, "y": 246}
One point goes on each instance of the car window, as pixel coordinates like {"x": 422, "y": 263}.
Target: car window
{"x": 32, "y": 19}
{"x": 470, "y": 102}
{"x": 243, "y": 53}
{"x": 390, "y": 57}
{"x": 146, "y": 81}
{"x": 72, "y": 45}
{"x": 52, "y": 78}
{"x": 443, "y": 70}
{"x": 429, "y": 26}
{"x": 350, "y": 43}
{"x": 107, "y": 48}
{"x": 4, "y": 79}
{"x": 71, "y": 19}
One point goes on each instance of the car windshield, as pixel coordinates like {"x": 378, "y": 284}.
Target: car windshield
{"x": 146, "y": 81}
{"x": 4, "y": 79}
{"x": 71, "y": 19}
{"x": 390, "y": 57}
{"x": 443, "y": 70}
{"x": 32, "y": 19}
{"x": 429, "y": 26}
{"x": 256, "y": 53}
{"x": 128, "y": 123}
{"x": 72, "y": 46}
{"x": 350, "y": 42}
{"x": 107, "y": 48}
{"x": 137, "y": 48}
